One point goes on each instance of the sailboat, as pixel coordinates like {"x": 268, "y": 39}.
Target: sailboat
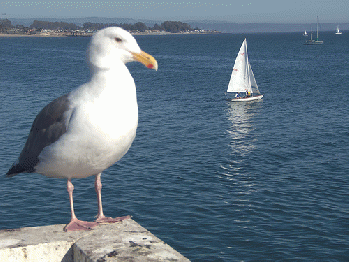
{"x": 317, "y": 41}
{"x": 305, "y": 33}
{"x": 337, "y": 31}
{"x": 242, "y": 82}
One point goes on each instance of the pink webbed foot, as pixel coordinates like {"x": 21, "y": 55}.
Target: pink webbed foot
{"x": 101, "y": 218}
{"x": 77, "y": 225}
{"x": 107, "y": 220}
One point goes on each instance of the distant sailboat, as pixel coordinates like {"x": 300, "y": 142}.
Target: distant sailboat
{"x": 242, "y": 79}
{"x": 305, "y": 33}
{"x": 337, "y": 31}
{"x": 317, "y": 41}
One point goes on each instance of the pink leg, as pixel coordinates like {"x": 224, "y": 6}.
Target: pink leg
{"x": 101, "y": 218}
{"x": 76, "y": 224}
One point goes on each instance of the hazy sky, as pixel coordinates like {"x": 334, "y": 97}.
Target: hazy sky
{"x": 335, "y": 11}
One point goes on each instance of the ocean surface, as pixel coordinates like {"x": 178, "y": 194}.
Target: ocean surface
{"x": 216, "y": 180}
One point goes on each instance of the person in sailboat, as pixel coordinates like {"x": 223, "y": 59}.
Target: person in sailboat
{"x": 248, "y": 93}
{"x": 237, "y": 95}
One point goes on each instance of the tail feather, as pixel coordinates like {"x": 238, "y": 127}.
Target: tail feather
{"x": 16, "y": 169}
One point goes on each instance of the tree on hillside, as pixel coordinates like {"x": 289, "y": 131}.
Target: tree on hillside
{"x": 5, "y": 24}
{"x": 141, "y": 27}
{"x": 157, "y": 27}
{"x": 53, "y": 25}
{"x": 91, "y": 26}
{"x": 175, "y": 26}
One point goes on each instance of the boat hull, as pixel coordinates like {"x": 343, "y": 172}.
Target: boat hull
{"x": 313, "y": 42}
{"x": 247, "y": 99}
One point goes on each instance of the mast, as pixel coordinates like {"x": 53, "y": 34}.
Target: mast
{"x": 317, "y": 28}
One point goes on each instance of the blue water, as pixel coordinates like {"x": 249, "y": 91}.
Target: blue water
{"x": 218, "y": 181}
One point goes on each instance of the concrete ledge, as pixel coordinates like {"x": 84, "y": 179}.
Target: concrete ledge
{"x": 123, "y": 241}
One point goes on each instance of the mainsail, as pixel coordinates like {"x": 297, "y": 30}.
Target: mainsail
{"x": 242, "y": 78}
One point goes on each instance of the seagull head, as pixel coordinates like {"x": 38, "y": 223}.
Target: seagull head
{"x": 113, "y": 45}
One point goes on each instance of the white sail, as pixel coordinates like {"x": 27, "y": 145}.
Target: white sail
{"x": 337, "y": 31}
{"x": 254, "y": 86}
{"x": 242, "y": 78}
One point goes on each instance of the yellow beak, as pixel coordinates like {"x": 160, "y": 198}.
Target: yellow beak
{"x": 146, "y": 60}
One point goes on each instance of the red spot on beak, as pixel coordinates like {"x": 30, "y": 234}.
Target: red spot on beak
{"x": 150, "y": 66}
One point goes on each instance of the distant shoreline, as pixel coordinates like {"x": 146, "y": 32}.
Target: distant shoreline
{"x": 89, "y": 35}
{"x": 26, "y": 35}
{"x": 18, "y": 35}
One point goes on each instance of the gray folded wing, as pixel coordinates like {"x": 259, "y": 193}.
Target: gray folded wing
{"x": 49, "y": 125}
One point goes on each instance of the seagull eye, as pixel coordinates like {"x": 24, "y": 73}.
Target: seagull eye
{"x": 117, "y": 39}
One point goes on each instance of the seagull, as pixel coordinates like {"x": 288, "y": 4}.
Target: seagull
{"x": 84, "y": 132}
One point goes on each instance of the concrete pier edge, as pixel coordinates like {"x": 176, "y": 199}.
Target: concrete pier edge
{"x": 122, "y": 241}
